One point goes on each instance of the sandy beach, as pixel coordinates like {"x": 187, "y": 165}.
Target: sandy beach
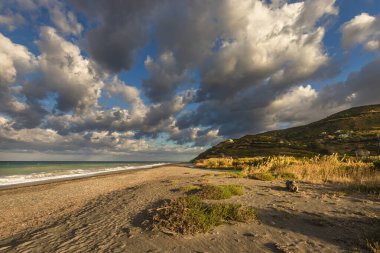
{"x": 104, "y": 214}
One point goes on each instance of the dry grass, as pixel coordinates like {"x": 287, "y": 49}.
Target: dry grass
{"x": 361, "y": 175}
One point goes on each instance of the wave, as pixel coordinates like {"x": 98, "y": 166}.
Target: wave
{"x": 74, "y": 173}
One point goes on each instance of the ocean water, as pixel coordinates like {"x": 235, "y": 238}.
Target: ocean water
{"x": 12, "y": 173}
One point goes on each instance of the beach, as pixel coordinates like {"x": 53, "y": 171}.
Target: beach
{"x": 104, "y": 213}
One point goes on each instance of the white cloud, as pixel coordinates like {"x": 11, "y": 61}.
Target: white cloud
{"x": 362, "y": 29}
{"x": 266, "y": 42}
{"x": 68, "y": 73}
{"x": 15, "y": 60}
{"x": 62, "y": 18}
{"x": 131, "y": 95}
{"x": 295, "y": 107}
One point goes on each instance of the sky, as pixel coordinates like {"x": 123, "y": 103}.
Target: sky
{"x": 142, "y": 80}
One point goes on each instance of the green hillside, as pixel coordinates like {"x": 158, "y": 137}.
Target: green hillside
{"x": 343, "y": 133}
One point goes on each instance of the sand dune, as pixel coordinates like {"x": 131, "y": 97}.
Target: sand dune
{"x": 104, "y": 214}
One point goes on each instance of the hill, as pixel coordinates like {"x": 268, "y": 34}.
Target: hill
{"x": 344, "y": 133}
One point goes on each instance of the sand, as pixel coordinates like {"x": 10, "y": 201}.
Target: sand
{"x": 104, "y": 214}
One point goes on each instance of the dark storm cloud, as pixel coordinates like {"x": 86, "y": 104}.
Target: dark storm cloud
{"x": 121, "y": 28}
{"x": 65, "y": 73}
{"x": 164, "y": 78}
{"x": 360, "y": 88}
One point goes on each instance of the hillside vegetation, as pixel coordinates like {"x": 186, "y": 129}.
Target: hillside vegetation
{"x": 358, "y": 175}
{"x": 342, "y": 133}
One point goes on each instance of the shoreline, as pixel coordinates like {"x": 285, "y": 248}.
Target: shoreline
{"x": 80, "y": 177}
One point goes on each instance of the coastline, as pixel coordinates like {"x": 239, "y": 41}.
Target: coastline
{"x": 79, "y": 177}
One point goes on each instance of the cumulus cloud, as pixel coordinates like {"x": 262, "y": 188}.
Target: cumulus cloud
{"x": 196, "y": 136}
{"x": 164, "y": 77}
{"x": 253, "y": 67}
{"x": 66, "y": 73}
{"x": 292, "y": 108}
{"x": 143, "y": 120}
{"x": 363, "y": 29}
{"x": 122, "y": 29}
{"x": 65, "y": 21}
{"x": 264, "y": 43}
{"x": 97, "y": 144}
{"x": 16, "y": 62}
{"x": 14, "y": 13}
{"x": 250, "y": 51}
{"x": 215, "y": 69}
{"x": 360, "y": 88}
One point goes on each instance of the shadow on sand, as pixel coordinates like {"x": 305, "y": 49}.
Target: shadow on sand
{"x": 347, "y": 233}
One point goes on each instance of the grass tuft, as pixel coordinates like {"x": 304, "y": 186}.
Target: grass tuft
{"x": 219, "y": 191}
{"x": 286, "y": 175}
{"x": 190, "y": 188}
{"x": 190, "y": 215}
{"x": 237, "y": 174}
{"x": 263, "y": 176}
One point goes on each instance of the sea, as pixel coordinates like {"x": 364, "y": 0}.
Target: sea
{"x": 13, "y": 173}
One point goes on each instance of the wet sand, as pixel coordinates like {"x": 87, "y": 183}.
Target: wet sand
{"x": 104, "y": 214}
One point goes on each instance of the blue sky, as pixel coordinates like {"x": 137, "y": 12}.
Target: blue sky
{"x": 143, "y": 80}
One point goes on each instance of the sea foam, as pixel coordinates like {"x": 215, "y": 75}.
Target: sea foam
{"x": 74, "y": 173}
